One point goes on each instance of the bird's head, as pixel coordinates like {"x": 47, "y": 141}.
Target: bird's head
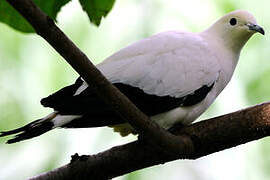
{"x": 235, "y": 28}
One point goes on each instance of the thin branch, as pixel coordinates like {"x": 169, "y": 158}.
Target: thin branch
{"x": 208, "y": 137}
{"x": 46, "y": 28}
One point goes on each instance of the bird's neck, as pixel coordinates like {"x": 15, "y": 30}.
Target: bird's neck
{"x": 230, "y": 41}
{"x": 227, "y": 56}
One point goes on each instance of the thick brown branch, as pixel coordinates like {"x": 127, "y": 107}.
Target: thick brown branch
{"x": 47, "y": 29}
{"x": 208, "y": 136}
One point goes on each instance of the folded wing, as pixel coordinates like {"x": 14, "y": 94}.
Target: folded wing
{"x": 157, "y": 74}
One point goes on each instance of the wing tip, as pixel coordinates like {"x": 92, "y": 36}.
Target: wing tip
{"x": 61, "y": 95}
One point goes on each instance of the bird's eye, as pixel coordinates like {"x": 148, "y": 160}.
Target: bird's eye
{"x": 233, "y": 21}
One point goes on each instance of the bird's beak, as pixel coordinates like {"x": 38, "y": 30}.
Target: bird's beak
{"x": 255, "y": 27}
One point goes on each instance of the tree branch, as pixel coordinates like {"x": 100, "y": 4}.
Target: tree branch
{"x": 208, "y": 136}
{"x": 46, "y": 28}
{"x": 190, "y": 142}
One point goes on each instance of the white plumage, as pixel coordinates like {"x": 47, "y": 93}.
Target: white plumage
{"x": 190, "y": 67}
{"x": 164, "y": 65}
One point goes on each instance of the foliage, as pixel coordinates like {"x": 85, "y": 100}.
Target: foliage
{"x": 96, "y": 9}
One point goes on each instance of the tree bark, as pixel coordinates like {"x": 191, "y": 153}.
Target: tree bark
{"x": 207, "y": 136}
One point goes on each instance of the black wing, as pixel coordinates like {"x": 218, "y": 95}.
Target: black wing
{"x": 91, "y": 107}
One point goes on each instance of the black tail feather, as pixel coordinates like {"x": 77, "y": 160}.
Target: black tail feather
{"x": 28, "y": 131}
{"x": 15, "y": 131}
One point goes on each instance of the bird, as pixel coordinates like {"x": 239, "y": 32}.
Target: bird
{"x": 172, "y": 77}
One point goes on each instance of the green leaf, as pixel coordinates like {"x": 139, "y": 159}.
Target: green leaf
{"x": 11, "y": 17}
{"x": 96, "y": 9}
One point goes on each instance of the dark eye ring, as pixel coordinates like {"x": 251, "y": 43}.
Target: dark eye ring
{"x": 233, "y": 21}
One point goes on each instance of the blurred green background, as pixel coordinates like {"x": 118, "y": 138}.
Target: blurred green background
{"x": 30, "y": 69}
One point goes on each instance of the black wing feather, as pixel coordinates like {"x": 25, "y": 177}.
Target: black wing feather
{"x": 91, "y": 107}
{"x": 95, "y": 113}
{"x": 61, "y": 95}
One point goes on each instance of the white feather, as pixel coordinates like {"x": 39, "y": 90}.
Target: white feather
{"x": 60, "y": 120}
{"x": 178, "y": 63}
{"x": 164, "y": 65}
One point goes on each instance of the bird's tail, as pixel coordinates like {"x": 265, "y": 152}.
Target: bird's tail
{"x": 31, "y": 130}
